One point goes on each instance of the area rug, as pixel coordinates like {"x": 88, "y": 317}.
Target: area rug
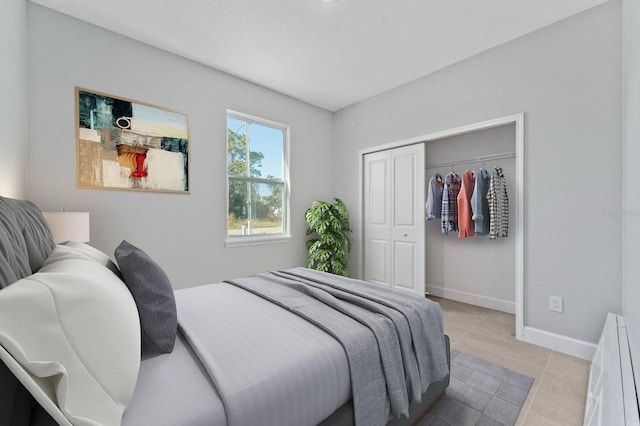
{"x": 480, "y": 393}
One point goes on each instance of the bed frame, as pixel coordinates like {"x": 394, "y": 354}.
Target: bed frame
{"x": 25, "y": 241}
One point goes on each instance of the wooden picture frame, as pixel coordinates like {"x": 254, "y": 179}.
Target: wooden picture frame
{"x": 129, "y": 145}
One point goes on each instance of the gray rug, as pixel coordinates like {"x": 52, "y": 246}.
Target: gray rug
{"x": 480, "y": 393}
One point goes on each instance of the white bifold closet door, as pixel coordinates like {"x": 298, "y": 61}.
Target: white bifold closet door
{"x": 393, "y": 210}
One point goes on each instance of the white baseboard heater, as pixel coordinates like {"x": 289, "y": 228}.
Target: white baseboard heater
{"x": 611, "y": 396}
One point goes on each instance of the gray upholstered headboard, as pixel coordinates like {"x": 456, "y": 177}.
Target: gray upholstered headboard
{"x": 25, "y": 242}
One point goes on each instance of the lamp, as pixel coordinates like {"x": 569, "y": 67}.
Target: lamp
{"x": 68, "y": 226}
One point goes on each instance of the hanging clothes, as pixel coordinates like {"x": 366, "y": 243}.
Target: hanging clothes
{"x": 465, "y": 223}
{"x": 450, "y": 203}
{"x": 479, "y": 203}
{"x": 434, "y": 198}
{"x": 498, "y": 205}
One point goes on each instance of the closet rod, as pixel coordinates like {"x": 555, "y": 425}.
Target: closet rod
{"x": 474, "y": 160}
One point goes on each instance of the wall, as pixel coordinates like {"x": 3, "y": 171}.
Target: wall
{"x": 183, "y": 233}
{"x": 474, "y": 270}
{"x": 631, "y": 174}
{"x": 13, "y": 101}
{"x": 566, "y": 78}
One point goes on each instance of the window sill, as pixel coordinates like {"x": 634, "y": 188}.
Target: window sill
{"x": 256, "y": 240}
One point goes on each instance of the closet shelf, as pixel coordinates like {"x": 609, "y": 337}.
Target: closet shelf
{"x": 478, "y": 159}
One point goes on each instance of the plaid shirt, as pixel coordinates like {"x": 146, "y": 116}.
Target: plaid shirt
{"x": 498, "y": 205}
{"x": 450, "y": 203}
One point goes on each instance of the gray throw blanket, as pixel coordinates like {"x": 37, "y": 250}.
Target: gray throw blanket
{"x": 394, "y": 341}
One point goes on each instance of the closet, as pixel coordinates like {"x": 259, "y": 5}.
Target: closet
{"x": 475, "y": 270}
{"x": 400, "y": 248}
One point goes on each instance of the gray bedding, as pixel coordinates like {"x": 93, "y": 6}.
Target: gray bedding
{"x": 277, "y": 366}
{"x": 174, "y": 389}
{"x": 423, "y": 317}
{"x": 240, "y": 359}
{"x": 373, "y": 331}
{"x": 270, "y": 366}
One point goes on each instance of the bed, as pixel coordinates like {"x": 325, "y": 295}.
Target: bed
{"x": 84, "y": 341}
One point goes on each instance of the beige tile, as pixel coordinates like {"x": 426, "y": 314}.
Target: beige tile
{"x": 452, "y": 305}
{"x": 567, "y": 365}
{"x": 559, "y": 391}
{"x": 532, "y": 419}
{"x": 454, "y": 332}
{"x": 555, "y": 408}
{"x": 501, "y": 317}
{"x": 462, "y": 318}
{"x": 521, "y": 351}
{"x": 496, "y": 329}
{"x": 497, "y": 358}
{"x": 566, "y": 386}
{"x": 501, "y": 320}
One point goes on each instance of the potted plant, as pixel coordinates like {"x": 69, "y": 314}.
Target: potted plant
{"x": 330, "y": 223}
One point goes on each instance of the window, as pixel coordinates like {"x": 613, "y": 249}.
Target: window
{"x": 257, "y": 180}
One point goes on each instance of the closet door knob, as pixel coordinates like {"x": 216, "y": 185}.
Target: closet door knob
{"x": 405, "y": 235}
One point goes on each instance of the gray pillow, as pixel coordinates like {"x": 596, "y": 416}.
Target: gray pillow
{"x": 153, "y": 294}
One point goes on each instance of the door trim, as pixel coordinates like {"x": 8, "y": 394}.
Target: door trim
{"x": 518, "y": 121}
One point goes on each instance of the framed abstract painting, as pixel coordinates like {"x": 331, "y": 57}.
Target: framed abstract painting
{"x": 130, "y": 145}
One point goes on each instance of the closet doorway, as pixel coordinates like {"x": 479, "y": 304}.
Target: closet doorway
{"x": 475, "y": 270}
{"x": 515, "y": 166}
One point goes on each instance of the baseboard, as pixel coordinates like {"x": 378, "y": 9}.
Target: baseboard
{"x": 559, "y": 343}
{"x": 472, "y": 299}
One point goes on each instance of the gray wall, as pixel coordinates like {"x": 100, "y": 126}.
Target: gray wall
{"x": 631, "y": 167}
{"x": 566, "y": 78}
{"x": 13, "y": 97}
{"x": 184, "y": 233}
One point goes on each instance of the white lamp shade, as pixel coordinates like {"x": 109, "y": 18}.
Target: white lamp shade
{"x": 68, "y": 226}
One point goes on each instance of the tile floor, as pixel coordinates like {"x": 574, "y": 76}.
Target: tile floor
{"x": 559, "y": 390}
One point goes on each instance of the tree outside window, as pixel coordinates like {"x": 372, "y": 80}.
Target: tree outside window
{"x": 256, "y": 176}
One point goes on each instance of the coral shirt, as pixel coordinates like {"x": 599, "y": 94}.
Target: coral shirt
{"x": 466, "y": 225}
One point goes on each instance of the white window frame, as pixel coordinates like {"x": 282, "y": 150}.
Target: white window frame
{"x": 285, "y": 236}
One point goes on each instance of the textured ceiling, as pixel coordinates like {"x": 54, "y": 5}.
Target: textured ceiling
{"x": 327, "y": 54}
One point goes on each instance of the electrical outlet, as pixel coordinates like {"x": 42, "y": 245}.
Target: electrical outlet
{"x": 555, "y": 303}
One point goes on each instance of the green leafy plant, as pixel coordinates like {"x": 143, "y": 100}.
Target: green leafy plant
{"x": 330, "y": 224}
